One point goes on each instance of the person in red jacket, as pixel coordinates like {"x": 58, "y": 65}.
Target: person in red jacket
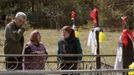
{"x": 127, "y": 37}
{"x": 94, "y": 15}
{"x": 73, "y": 16}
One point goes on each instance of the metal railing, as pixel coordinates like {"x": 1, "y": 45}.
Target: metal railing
{"x": 88, "y": 66}
{"x": 88, "y": 61}
{"x": 57, "y": 72}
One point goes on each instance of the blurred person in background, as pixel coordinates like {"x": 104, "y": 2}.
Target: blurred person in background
{"x": 14, "y": 41}
{"x": 125, "y": 53}
{"x": 34, "y": 47}
{"x": 69, "y": 44}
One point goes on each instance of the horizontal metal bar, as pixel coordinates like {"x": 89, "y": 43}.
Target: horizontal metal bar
{"x": 10, "y": 55}
{"x": 64, "y": 71}
{"x": 51, "y": 62}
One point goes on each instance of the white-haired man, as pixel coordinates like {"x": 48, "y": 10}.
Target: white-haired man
{"x": 14, "y": 41}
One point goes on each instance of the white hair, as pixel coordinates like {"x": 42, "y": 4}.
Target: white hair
{"x": 21, "y": 15}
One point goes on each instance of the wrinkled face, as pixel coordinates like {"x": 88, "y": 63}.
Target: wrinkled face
{"x": 65, "y": 34}
{"x": 20, "y": 21}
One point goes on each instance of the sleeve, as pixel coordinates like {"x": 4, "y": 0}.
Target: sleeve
{"x": 124, "y": 37}
{"x": 89, "y": 39}
{"x": 79, "y": 49}
{"x": 46, "y": 51}
{"x": 13, "y": 34}
{"x": 58, "y": 52}
{"x": 131, "y": 35}
{"x": 27, "y": 50}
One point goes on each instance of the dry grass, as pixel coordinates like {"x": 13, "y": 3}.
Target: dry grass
{"x": 51, "y": 37}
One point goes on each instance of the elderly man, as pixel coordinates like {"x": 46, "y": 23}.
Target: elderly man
{"x": 14, "y": 41}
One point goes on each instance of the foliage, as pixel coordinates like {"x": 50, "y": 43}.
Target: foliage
{"x": 56, "y": 13}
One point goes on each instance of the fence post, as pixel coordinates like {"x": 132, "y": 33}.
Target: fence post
{"x": 98, "y": 60}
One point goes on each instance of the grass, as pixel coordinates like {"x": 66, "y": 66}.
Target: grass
{"x": 50, "y": 38}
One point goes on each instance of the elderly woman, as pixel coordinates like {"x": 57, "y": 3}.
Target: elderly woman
{"x": 69, "y": 44}
{"x": 14, "y": 40}
{"x": 34, "y": 47}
